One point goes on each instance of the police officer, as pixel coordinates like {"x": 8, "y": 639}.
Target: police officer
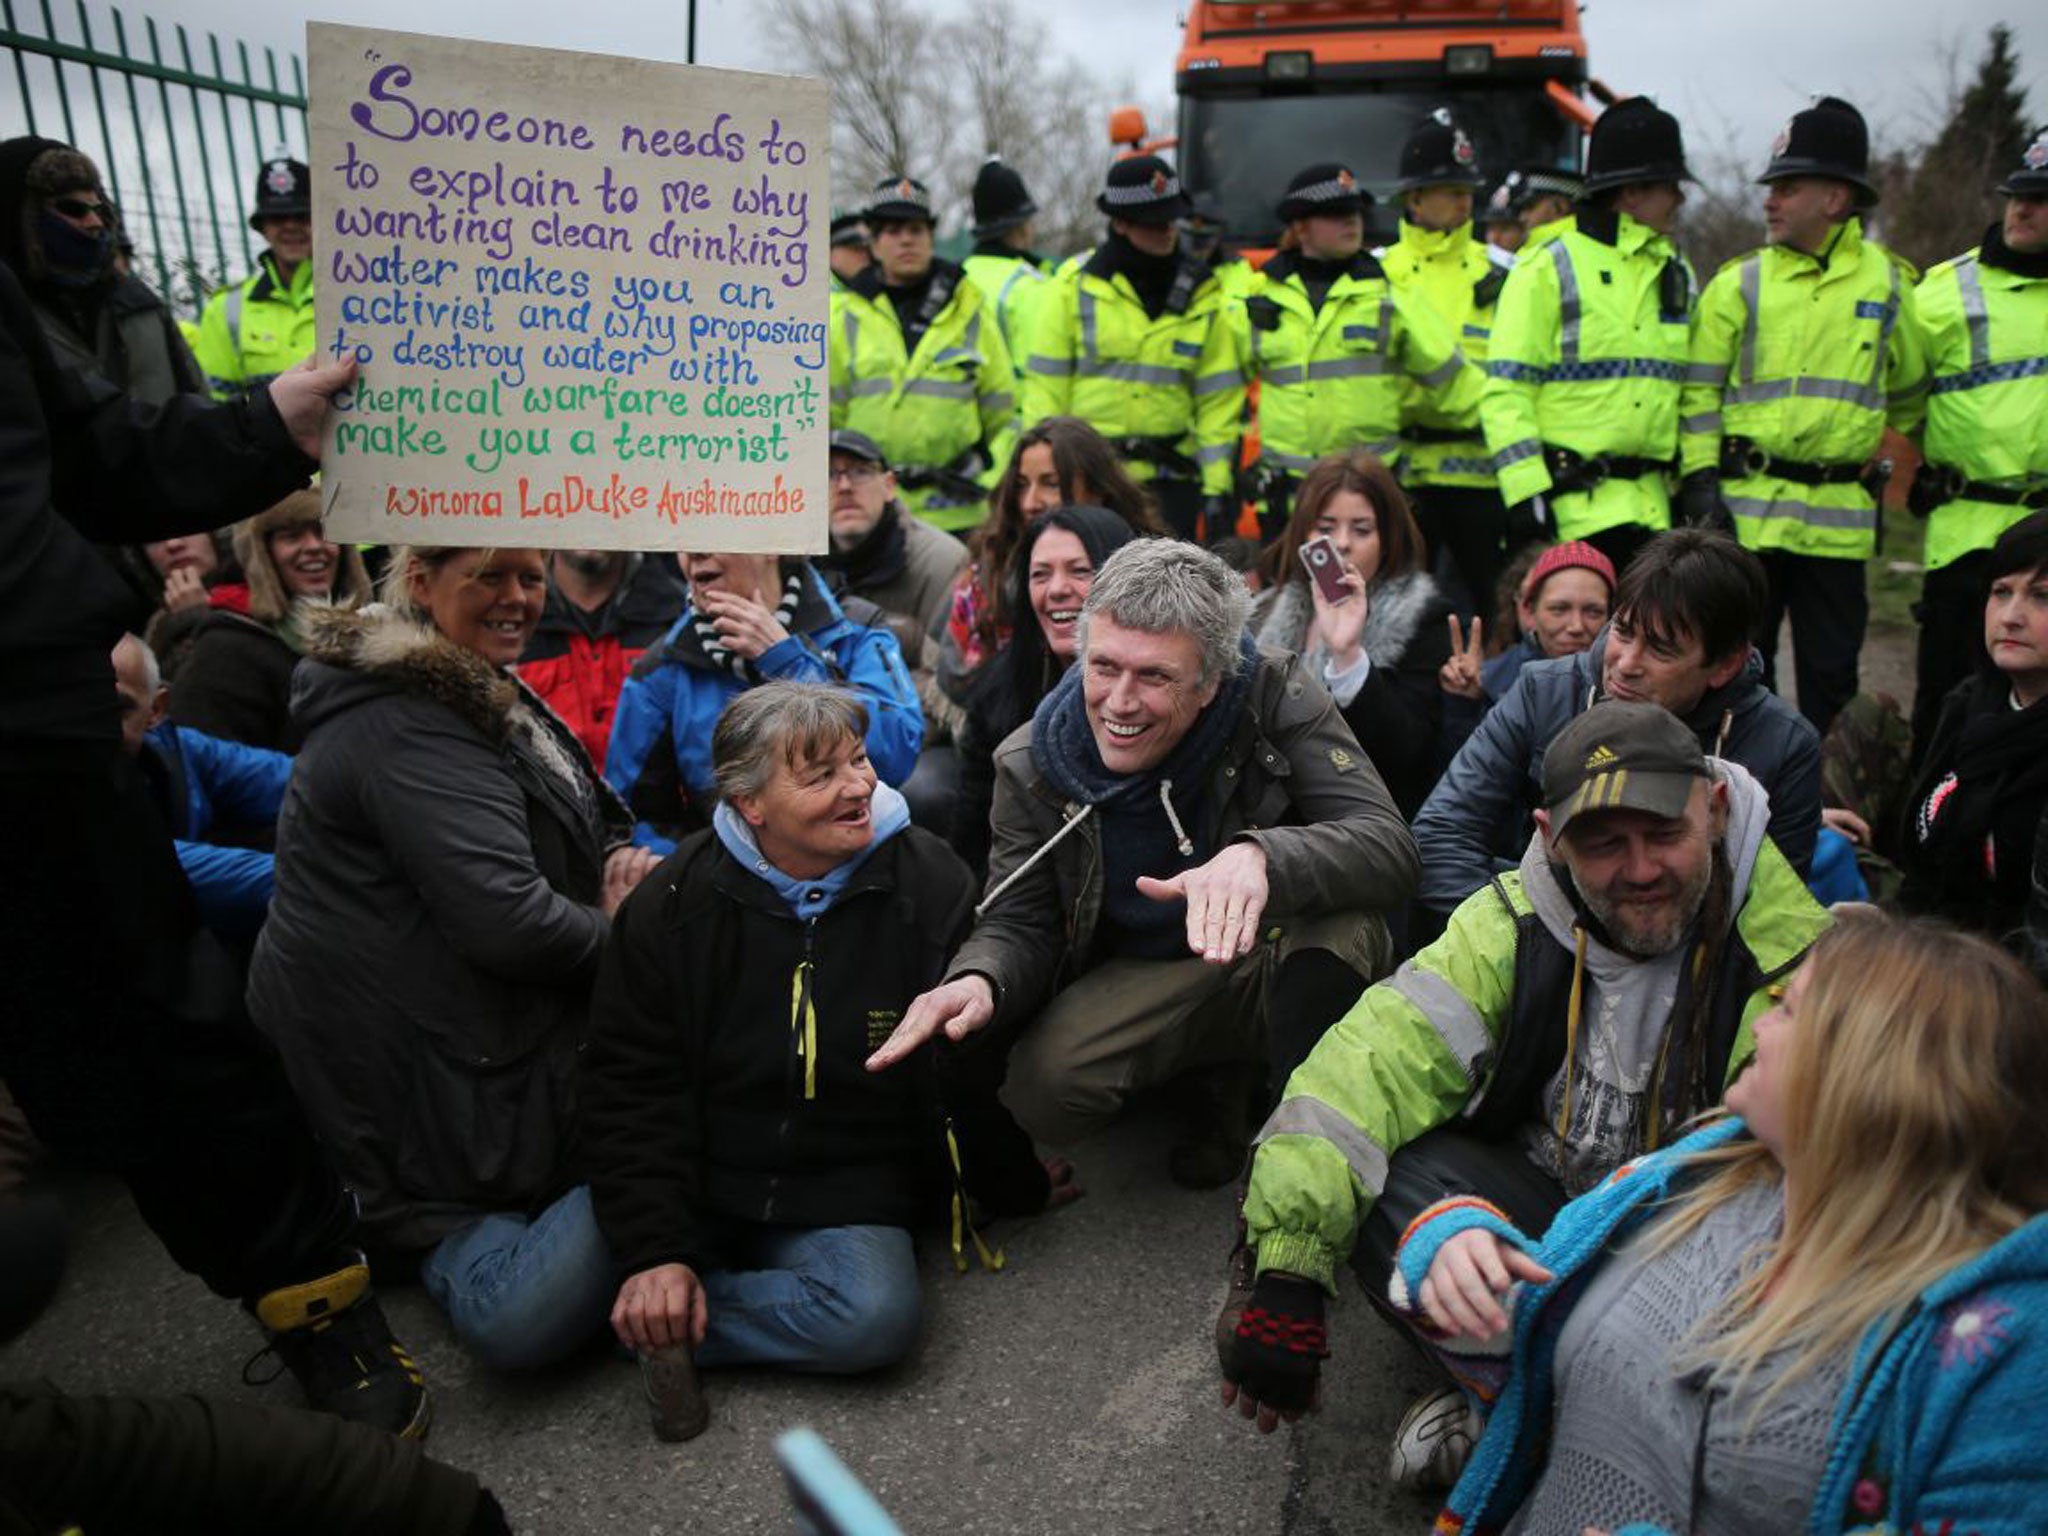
{"x": 1003, "y": 266}
{"x": 1337, "y": 349}
{"x": 1589, "y": 348}
{"x": 1136, "y": 342}
{"x": 1501, "y": 221}
{"x": 851, "y": 254}
{"x": 1985, "y": 319}
{"x": 1545, "y": 198}
{"x": 918, "y": 364}
{"x": 1435, "y": 262}
{"x": 252, "y": 332}
{"x": 1801, "y": 353}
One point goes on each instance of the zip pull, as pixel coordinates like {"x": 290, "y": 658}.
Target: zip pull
{"x": 803, "y": 1024}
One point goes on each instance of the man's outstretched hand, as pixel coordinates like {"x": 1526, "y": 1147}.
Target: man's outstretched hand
{"x": 959, "y": 1007}
{"x": 1226, "y": 898}
{"x": 1273, "y": 1369}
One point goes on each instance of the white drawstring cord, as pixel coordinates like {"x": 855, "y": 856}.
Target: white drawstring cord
{"x": 1186, "y": 845}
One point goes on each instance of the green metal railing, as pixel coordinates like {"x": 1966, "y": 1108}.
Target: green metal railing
{"x": 186, "y": 136}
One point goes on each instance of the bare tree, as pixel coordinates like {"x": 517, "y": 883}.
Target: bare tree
{"x": 887, "y": 65}
{"x": 915, "y": 96}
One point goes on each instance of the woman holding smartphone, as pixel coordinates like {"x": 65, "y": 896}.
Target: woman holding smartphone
{"x": 1348, "y": 587}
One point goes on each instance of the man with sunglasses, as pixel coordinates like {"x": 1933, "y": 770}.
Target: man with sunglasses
{"x": 60, "y": 234}
{"x": 254, "y": 331}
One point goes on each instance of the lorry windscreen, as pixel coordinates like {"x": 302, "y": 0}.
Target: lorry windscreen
{"x": 1243, "y": 148}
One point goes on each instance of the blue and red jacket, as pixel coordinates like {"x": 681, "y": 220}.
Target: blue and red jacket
{"x": 578, "y": 661}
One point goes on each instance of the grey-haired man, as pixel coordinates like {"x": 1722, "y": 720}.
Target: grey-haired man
{"x": 1191, "y": 858}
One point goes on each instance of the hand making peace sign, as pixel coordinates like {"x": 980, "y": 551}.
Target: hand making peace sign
{"x": 1460, "y": 672}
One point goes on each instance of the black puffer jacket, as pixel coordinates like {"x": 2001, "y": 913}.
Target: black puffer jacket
{"x": 697, "y": 1112}
{"x": 79, "y": 462}
{"x": 435, "y": 929}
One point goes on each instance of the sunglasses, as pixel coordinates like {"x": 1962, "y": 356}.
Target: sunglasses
{"x": 82, "y": 208}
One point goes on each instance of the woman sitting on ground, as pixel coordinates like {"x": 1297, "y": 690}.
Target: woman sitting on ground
{"x": 1558, "y": 606}
{"x": 1381, "y": 646}
{"x": 1967, "y": 848}
{"x": 1829, "y": 1315}
{"x": 447, "y": 866}
{"x": 757, "y": 1183}
{"x": 1060, "y": 462}
{"x": 1049, "y": 580}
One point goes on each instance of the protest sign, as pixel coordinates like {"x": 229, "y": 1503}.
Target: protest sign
{"x": 588, "y": 296}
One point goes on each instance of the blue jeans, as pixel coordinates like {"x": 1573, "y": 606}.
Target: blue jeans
{"x": 523, "y": 1294}
{"x": 834, "y": 1299}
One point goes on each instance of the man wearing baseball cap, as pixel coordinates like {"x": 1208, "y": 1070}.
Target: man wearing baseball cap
{"x": 254, "y": 331}
{"x": 1574, "y": 1014}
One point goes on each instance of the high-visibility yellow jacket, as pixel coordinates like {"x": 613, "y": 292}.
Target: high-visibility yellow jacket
{"x": 1986, "y": 330}
{"x": 1174, "y": 380}
{"x": 1336, "y": 377}
{"x": 926, "y": 407}
{"x": 1807, "y": 357}
{"x": 1451, "y": 271}
{"x": 252, "y": 332}
{"x": 1012, "y": 285}
{"x": 1588, "y": 353}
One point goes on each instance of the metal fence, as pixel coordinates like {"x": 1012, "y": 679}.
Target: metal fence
{"x": 177, "y": 135}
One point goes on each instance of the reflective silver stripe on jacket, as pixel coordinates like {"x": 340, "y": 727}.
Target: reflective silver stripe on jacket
{"x": 1975, "y": 315}
{"x": 1567, "y": 303}
{"x": 1851, "y": 519}
{"x": 1303, "y": 1116}
{"x": 1451, "y": 1014}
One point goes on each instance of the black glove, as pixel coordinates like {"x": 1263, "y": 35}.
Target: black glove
{"x": 1281, "y": 1343}
{"x": 1700, "y": 504}
{"x": 1528, "y": 522}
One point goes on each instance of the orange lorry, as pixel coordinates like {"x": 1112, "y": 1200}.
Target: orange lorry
{"x": 1268, "y": 86}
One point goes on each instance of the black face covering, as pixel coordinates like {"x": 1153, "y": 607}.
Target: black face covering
{"x": 1151, "y": 276}
{"x": 75, "y": 259}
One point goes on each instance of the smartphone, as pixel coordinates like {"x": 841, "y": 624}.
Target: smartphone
{"x": 1325, "y": 569}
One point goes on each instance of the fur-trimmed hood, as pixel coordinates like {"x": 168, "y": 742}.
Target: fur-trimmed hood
{"x": 352, "y": 656}
{"x": 1398, "y": 607}
{"x": 355, "y": 656}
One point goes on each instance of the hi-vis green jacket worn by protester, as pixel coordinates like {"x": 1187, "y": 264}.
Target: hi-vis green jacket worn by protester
{"x": 1450, "y": 271}
{"x": 1168, "y": 385}
{"x": 1485, "y": 1024}
{"x": 252, "y": 332}
{"x": 1802, "y": 360}
{"x": 932, "y": 406}
{"x": 1336, "y": 377}
{"x": 1985, "y": 319}
{"x": 1588, "y": 353}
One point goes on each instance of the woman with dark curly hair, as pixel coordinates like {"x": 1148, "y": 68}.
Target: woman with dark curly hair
{"x": 1060, "y": 462}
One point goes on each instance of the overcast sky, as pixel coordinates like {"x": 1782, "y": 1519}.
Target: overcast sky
{"x": 1729, "y": 68}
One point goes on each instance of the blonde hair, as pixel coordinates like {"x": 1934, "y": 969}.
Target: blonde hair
{"x": 269, "y": 599}
{"x": 394, "y": 589}
{"x": 1916, "y": 1136}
